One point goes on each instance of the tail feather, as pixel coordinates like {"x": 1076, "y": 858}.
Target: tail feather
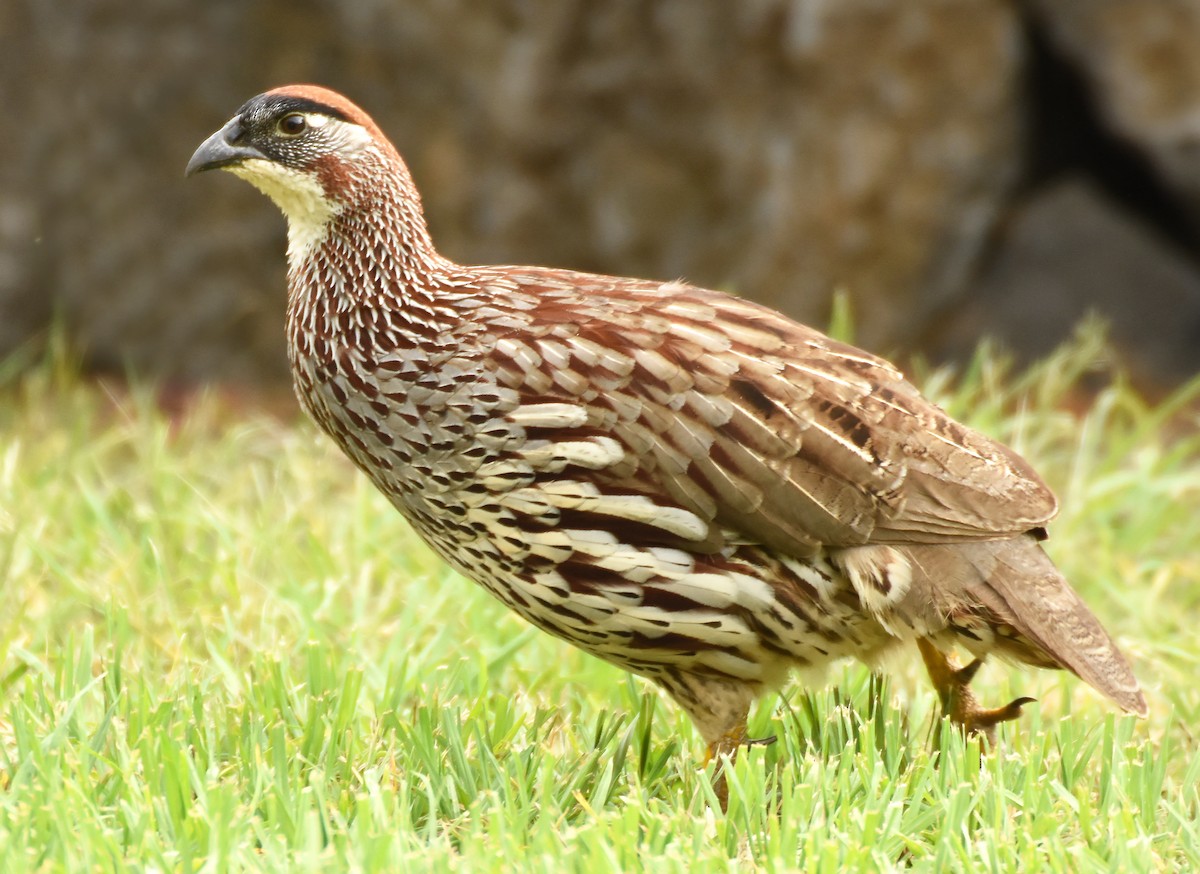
{"x": 1014, "y": 583}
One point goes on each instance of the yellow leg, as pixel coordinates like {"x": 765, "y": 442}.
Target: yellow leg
{"x": 725, "y": 745}
{"x": 728, "y": 744}
{"x": 952, "y": 682}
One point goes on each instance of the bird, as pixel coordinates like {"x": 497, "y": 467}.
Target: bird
{"x": 684, "y": 483}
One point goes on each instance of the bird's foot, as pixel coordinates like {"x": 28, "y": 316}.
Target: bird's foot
{"x": 953, "y": 684}
{"x": 727, "y": 744}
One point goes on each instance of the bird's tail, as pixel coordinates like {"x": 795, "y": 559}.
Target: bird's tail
{"x": 1013, "y": 583}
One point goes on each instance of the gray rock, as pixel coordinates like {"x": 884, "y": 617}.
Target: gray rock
{"x": 1142, "y": 61}
{"x": 1067, "y": 253}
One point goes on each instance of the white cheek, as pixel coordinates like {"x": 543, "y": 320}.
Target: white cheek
{"x": 301, "y": 198}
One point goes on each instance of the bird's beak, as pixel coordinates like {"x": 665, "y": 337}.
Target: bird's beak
{"x": 222, "y": 149}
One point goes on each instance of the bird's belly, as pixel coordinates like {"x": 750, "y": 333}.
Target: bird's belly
{"x": 744, "y": 613}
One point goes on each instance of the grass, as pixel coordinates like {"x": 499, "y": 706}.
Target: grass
{"x": 220, "y": 650}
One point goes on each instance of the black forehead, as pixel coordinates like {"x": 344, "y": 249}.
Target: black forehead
{"x": 273, "y": 105}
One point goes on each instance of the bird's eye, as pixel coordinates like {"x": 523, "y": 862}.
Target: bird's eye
{"x": 293, "y": 123}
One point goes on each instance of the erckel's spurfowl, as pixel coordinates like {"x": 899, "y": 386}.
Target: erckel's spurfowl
{"x": 685, "y": 484}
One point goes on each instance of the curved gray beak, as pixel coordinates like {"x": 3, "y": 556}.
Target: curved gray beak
{"x": 222, "y": 149}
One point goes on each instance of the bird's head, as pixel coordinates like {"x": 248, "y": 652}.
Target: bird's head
{"x": 309, "y": 149}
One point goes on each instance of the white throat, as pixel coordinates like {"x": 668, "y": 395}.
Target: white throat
{"x": 301, "y": 198}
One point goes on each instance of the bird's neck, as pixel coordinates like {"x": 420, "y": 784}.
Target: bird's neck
{"x": 350, "y": 208}
{"x": 370, "y": 266}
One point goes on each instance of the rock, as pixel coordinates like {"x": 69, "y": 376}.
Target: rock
{"x": 1141, "y": 60}
{"x": 1069, "y": 252}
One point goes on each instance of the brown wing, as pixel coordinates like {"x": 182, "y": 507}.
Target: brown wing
{"x": 765, "y": 427}
{"x": 863, "y": 446}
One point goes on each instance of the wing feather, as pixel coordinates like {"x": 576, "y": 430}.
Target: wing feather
{"x": 773, "y": 431}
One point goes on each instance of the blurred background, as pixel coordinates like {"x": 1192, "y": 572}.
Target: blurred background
{"x": 959, "y": 168}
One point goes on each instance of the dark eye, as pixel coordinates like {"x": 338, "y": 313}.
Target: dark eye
{"x": 292, "y": 124}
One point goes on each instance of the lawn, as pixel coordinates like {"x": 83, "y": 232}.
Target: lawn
{"x": 220, "y": 650}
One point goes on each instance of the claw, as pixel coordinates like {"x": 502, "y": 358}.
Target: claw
{"x": 952, "y": 683}
{"x": 984, "y": 722}
{"x": 760, "y": 741}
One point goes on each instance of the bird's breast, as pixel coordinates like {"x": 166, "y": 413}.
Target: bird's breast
{"x": 404, "y": 416}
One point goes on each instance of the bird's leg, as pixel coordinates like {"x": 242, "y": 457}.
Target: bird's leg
{"x": 720, "y": 710}
{"x": 726, "y": 744}
{"x": 953, "y": 684}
